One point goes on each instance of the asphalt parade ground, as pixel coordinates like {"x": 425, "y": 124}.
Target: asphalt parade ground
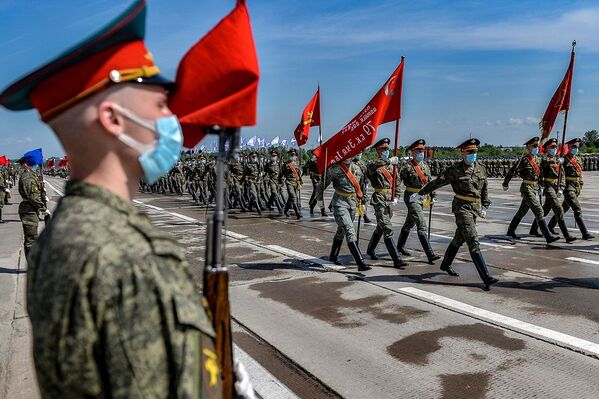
{"x": 307, "y": 328}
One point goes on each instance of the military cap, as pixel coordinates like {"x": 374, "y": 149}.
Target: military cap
{"x": 115, "y": 54}
{"x": 382, "y": 143}
{"x": 274, "y": 152}
{"x": 469, "y": 144}
{"x": 574, "y": 141}
{"x": 22, "y": 160}
{"x": 253, "y": 153}
{"x": 417, "y": 145}
{"x": 292, "y": 152}
{"x": 533, "y": 141}
{"x": 550, "y": 143}
{"x": 202, "y": 156}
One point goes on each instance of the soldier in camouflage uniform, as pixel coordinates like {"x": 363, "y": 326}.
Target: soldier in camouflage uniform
{"x": 345, "y": 179}
{"x": 363, "y": 184}
{"x": 272, "y": 172}
{"x": 291, "y": 176}
{"x": 251, "y": 176}
{"x": 3, "y": 189}
{"x": 316, "y": 179}
{"x": 235, "y": 171}
{"x": 468, "y": 180}
{"x": 379, "y": 173}
{"x": 529, "y": 170}
{"x": 574, "y": 182}
{"x": 31, "y": 205}
{"x": 553, "y": 188}
{"x": 115, "y": 313}
{"x": 415, "y": 174}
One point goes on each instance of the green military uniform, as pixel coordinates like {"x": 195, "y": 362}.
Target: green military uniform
{"x": 272, "y": 172}
{"x": 235, "y": 172}
{"x": 316, "y": 179}
{"x": 291, "y": 174}
{"x": 468, "y": 180}
{"x": 124, "y": 318}
{"x": 31, "y": 205}
{"x": 553, "y": 185}
{"x": 251, "y": 175}
{"x": 363, "y": 184}
{"x": 415, "y": 174}
{"x": 528, "y": 168}
{"x": 379, "y": 173}
{"x": 3, "y": 189}
{"x": 572, "y": 167}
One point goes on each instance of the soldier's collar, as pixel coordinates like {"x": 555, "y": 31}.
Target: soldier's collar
{"x": 100, "y": 194}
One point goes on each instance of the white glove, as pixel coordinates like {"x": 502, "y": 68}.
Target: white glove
{"x": 505, "y": 188}
{"x": 7, "y": 191}
{"x": 483, "y": 212}
{"x": 560, "y": 193}
{"x": 47, "y": 213}
{"x": 560, "y": 160}
{"x": 415, "y": 197}
{"x": 433, "y": 200}
{"x": 393, "y": 160}
{"x": 320, "y": 204}
{"x": 47, "y": 199}
{"x": 394, "y": 202}
{"x": 243, "y": 385}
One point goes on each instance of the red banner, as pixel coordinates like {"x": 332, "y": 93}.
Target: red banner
{"x": 51, "y": 163}
{"x": 310, "y": 117}
{"x": 217, "y": 80}
{"x": 361, "y": 131}
{"x": 3, "y": 160}
{"x": 559, "y": 102}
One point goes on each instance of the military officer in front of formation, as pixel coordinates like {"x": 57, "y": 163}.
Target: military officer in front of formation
{"x": 573, "y": 174}
{"x": 415, "y": 174}
{"x": 528, "y": 168}
{"x": 553, "y": 182}
{"x": 345, "y": 177}
{"x": 468, "y": 180}
{"x": 379, "y": 173}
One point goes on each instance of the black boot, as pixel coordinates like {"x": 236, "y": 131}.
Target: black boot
{"x": 428, "y": 250}
{"x": 450, "y": 254}
{"x": 287, "y": 207}
{"x": 374, "y": 241}
{"x": 534, "y": 229}
{"x": 298, "y": 214}
{"x": 355, "y": 252}
{"x": 312, "y": 205}
{"x": 551, "y": 225}
{"x": 579, "y": 222}
{"x": 323, "y": 213}
{"x": 398, "y": 263}
{"x": 481, "y": 267}
{"x": 367, "y": 219}
{"x": 562, "y": 226}
{"x": 511, "y": 230}
{"x": 546, "y": 232}
{"x": 401, "y": 242}
{"x": 1, "y": 220}
{"x": 334, "y": 256}
{"x": 258, "y": 210}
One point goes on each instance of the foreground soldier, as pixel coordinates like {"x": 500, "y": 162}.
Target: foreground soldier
{"x": 291, "y": 173}
{"x": 272, "y": 171}
{"x": 529, "y": 170}
{"x": 468, "y": 180}
{"x": 415, "y": 175}
{"x": 348, "y": 195}
{"x": 380, "y": 175}
{"x": 114, "y": 311}
{"x": 31, "y": 204}
{"x": 550, "y": 168}
{"x": 573, "y": 173}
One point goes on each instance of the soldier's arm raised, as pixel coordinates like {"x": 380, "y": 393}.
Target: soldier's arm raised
{"x": 444, "y": 179}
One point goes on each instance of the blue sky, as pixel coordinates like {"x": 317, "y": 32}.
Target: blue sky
{"x": 485, "y": 68}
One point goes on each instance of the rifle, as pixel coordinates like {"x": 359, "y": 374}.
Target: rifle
{"x": 216, "y": 273}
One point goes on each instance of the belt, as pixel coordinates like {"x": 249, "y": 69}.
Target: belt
{"x": 466, "y": 198}
{"x": 529, "y": 182}
{"x": 344, "y": 194}
{"x": 578, "y": 179}
{"x": 412, "y": 189}
{"x": 382, "y": 190}
{"x": 549, "y": 180}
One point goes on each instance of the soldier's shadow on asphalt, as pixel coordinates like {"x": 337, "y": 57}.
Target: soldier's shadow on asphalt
{"x": 288, "y": 264}
{"x": 4, "y": 270}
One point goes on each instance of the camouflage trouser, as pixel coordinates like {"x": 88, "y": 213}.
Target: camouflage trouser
{"x": 465, "y": 221}
{"x": 552, "y": 203}
{"x": 30, "y": 222}
{"x": 292, "y": 188}
{"x": 571, "y": 201}
{"x": 253, "y": 190}
{"x": 415, "y": 216}
{"x": 530, "y": 200}
{"x": 2, "y": 197}
{"x": 383, "y": 214}
{"x": 315, "y": 187}
{"x": 344, "y": 211}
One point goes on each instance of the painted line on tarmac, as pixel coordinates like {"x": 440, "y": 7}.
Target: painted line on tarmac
{"x": 583, "y": 260}
{"x": 481, "y": 242}
{"x": 54, "y": 188}
{"x": 265, "y": 384}
{"x": 544, "y": 334}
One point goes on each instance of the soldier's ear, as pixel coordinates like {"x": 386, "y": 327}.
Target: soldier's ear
{"x": 110, "y": 119}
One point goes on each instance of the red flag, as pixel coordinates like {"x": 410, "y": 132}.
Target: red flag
{"x": 559, "y": 102}
{"x": 310, "y": 117}
{"x": 3, "y": 160}
{"x": 51, "y": 163}
{"x": 361, "y": 131}
{"x": 63, "y": 162}
{"x": 217, "y": 79}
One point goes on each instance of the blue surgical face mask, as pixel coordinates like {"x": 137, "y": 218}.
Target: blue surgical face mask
{"x": 156, "y": 159}
{"x": 274, "y": 159}
{"x": 534, "y": 151}
{"x": 292, "y": 158}
{"x": 471, "y": 158}
{"x": 553, "y": 152}
{"x": 385, "y": 154}
{"x": 419, "y": 157}
{"x": 574, "y": 150}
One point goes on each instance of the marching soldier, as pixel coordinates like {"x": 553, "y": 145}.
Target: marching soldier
{"x": 114, "y": 310}
{"x": 3, "y": 189}
{"x": 574, "y": 182}
{"x": 32, "y": 204}
{"x": 363, "y": 184}
{"x": 468, "y": 180}
{"x": 291, "y": 174}
{"x": 272, "y": 171}
{"x": 347, "y": 198}
{"x": 550, "y": 168}
{"x": 316, "y": 179}
{"x": 529, "y": 170}
{"x": 380, "y": 175}
{"x": 415, "y": 174}
{"x": 251, "y": 176}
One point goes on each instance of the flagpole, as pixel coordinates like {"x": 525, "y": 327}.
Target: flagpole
{"x": 559, "y": 175}
{"x": 394, "y": 189}
{"x": 320, "y": 115}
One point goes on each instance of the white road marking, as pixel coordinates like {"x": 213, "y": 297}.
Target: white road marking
{"x": 541, "y": 333}
{"x": 265, "y": 384}
{"x": 481, "y": 242}
{"x": 583, "y": 260}
{"x": 54, "y": 188}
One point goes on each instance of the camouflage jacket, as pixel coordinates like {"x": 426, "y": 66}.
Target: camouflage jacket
{"x": 411, "y": 179}
{"x": 29, "y": 189}
{"x": 572, "y": 173}
{"x": 272, "y": 169}
{"x": 125, "y": 319}
{"x": 550, "y": 169}
{"x": 379, "y": 180}
{"x": 341, "y": 183}
{"x": 525, "y": 169}
{"x": 287, "y": 172}
{"x": 251, "y": 171}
